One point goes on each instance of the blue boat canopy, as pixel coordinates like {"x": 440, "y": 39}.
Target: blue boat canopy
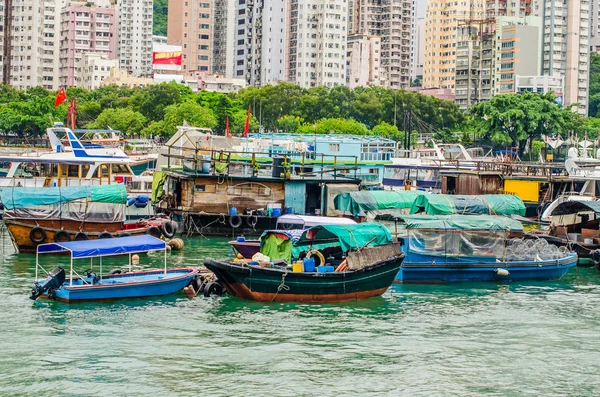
{"x": 105, "y": 247}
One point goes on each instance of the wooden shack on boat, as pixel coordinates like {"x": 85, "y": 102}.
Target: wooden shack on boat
{"x": 216, "y": 191}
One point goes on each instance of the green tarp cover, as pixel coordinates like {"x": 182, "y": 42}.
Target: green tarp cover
{"x": 158, "y": 188}
{"x": 23, "y": 197}
{"x": 276, "y": 248}
{"x": 348, "y": 236}
{"x": 357, "y": 202}
{"x": 461, "y": 222}
{"x": 490, "y": 204}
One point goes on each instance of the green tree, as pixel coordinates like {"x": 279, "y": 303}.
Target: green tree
{"x": 87, "y": 113}
{"x": 128, "y": 121}
{"x": 189, "y": 111}
{"x": 386, "y": 130}
{"x": 159, "y": 22}
{"x": 152, "y": 101}
{"x": 517, "y": 119}
{"x": 289, "y": 124}
{"x": 155, "y": 128}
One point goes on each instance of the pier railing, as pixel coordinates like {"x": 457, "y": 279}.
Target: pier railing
{"x": 237, "y": 163}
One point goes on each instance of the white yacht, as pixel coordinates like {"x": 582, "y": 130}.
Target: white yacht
{"x": 70, "y": 163}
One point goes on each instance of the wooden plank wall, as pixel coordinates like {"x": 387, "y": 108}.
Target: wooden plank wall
{"x": 207, "y": 195}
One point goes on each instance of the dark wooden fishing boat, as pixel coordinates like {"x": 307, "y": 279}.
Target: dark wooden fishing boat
{"x": 370, "y": 266}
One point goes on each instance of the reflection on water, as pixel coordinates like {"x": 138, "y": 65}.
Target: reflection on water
{"x": 466, "y": 339}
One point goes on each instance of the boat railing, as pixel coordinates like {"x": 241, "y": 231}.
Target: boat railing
{"x": 239, "y": 163}
{"x": 520, "y": 168}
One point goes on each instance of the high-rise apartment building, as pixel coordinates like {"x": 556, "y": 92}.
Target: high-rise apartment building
{"x": 191, "y": 26}
{"x": 519, "y": 55}
{"x": 363, "y": 60}
{"x": 442, "y": 20}
{"x": 261, "y": 40}
{"x": 566, "y": 46}
{"x": 393, "y": 22}
{"x": 512, "y": 8}
{"x": 225, "y": 27}
{"x": 26, "y": 43}
{"x": 134, "y": 30}
{"x": 595, "y": 25}
{"x": 474, "y": 65}
{"x": 85, "y": 29}
{"x": 416, "y": 70}
{"x": 317, "y": 42}
{"x": 2, "y": 38}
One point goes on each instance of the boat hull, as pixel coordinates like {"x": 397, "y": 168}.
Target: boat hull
{"x": 128, "y": 286}
{"x": 246, "y": 248}
{"x": 277, "y": 285}
{"x": 19, "y": 230}
{"x": 432, "y": 273}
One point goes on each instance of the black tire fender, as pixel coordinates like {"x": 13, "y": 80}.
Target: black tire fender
{"x": 153, "y": 231}
{"x": 39, "y": 232}
{"x": 168, "y": 229}
{"x": 62, "y": 236}
{"x": 251, "y": 221}
{"x": 81, "y": 236}
{"x": 235, "y": 221}
{"x": 124, "y": 234}
{"x": 105, "y": 235}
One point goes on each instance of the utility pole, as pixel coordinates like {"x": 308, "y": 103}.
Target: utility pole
{"x": 409, "y": 129}
{"x": 7, "y": 43}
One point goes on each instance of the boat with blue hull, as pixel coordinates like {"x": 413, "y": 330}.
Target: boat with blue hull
{"x": 451, "y": 248}
{"x": 118, "y": 284}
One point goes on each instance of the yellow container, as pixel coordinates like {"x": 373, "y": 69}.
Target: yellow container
{"x": 298, "y": 267}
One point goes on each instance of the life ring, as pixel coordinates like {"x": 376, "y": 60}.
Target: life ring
{"x": 104, "y": 235}
{"x": 251, "y": 221}
{"x": 153, "y": 231}
{"x": 62, "y": 236}
{"x": 80, "y": 236}
{"x": 37, "y": 235}
{"x": 168, "y": 229}
{"x": 235, "y": 221}
{"x": 318, "y": 254}
{"x": 124, "y": 234}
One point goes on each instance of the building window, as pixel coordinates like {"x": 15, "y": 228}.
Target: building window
{"x": 203, "y": 68}
{"x": 204, "y": 26}
{"x": 204, "y": 47}
{"x": 205, "y": 5}
{"x": 204, "y": 57}
{"x": 204, "y": 36}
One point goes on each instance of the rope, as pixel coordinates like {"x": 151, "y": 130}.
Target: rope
{"x": 282, "y": 286}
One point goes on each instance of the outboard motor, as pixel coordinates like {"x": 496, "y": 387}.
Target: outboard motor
{"x": 55, "y": 279}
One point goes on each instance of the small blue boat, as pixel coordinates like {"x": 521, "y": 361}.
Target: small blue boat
{"x": 447, "y": 248}
{"x": 118, "y": 284}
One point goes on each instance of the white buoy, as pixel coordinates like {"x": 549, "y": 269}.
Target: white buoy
{"x": 502, "y": 272}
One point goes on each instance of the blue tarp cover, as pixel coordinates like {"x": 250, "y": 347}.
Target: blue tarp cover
{"x": 105, "y": 247}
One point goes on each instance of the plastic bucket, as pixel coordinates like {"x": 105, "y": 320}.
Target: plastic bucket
{"x": 206, "y": 168}
{"x": 232, "y": 211}
{"x": 309, "y": 264}
{"x": 289, "y": 210}
{"x": 297, "y": 267}
{"x": 241, "y": 239}
{"x": 276, "y": 211}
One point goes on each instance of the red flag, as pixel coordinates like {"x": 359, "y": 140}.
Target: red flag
{"x": 227, "y": 134}
{"x": 60, "y": 98}
{"x": 247, "y": 127}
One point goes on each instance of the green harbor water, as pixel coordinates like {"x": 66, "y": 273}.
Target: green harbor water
{"x": 471, "y": 339}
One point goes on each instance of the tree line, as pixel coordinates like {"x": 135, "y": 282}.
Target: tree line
{"x": 505, "y": 120}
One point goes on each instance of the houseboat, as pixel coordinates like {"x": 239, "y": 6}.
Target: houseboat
{"x": 224, "y": 192}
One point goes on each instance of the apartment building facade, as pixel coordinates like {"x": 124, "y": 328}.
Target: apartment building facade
{"x": 83, "y": 30}
{"x": 134, "y": 30}
{"x": 363, "y": 61}
{"x": 317, "y": 42}
{"x": 566, "y": 46}
{"x": 442, "y": 20}
{"x": 393, "y": 22}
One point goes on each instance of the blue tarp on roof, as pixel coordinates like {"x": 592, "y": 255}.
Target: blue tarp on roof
{"x": 105, "y": 247}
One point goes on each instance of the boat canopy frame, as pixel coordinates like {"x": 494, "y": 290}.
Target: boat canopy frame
{"x": 100, "y": 248}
